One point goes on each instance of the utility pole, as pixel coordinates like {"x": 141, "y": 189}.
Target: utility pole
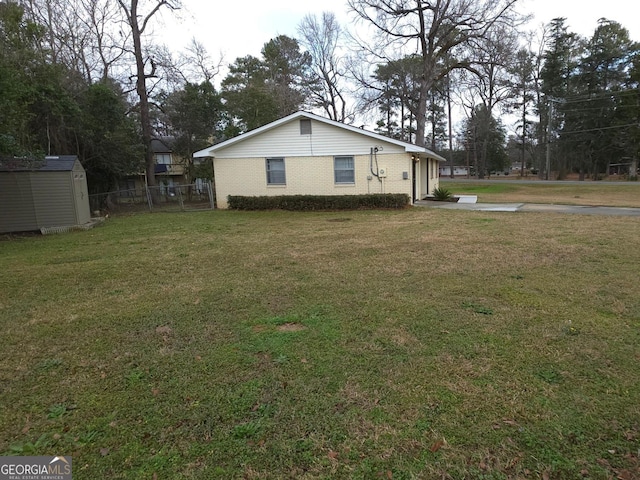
{"x": 548, "y": 166}
{"x": 551, "y": 102}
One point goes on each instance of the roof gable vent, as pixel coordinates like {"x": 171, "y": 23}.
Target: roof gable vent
{"x": 305, "y": 126}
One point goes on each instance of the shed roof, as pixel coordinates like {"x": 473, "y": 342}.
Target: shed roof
{"x": 61, "y": 163}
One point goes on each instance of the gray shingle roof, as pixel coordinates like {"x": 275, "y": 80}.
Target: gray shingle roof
{"x": 61, "y": 163}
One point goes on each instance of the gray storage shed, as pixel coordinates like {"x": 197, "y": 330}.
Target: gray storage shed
{"x": 37, "y": 194}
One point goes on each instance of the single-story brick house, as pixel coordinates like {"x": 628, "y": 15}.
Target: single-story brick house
{"x": 306, "y": 154}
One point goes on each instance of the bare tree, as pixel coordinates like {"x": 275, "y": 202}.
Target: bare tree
{"x": 541, "y": 42}
{"x": 203, "y": 67}
{"x": 436, "y": 30}
{"x": 145, "y": 69}
{"x": 321, "y": 38}
{"x": 491, "y": 58}
{"x": 80, "y": 34}
{"x": 107, "y": 48}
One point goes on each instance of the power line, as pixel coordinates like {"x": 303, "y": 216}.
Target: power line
{"x": 607, "y": 107}
{"x": 586, "y": 98}
{"x": 601, "y": 128}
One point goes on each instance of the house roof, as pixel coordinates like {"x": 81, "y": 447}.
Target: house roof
{"x": 162, "y": 144}
{"x": 61, "y": 163}
{"x": 409, "y": 147}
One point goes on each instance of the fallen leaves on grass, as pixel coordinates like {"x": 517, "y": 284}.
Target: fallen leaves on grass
{"x": 437, "y": 446}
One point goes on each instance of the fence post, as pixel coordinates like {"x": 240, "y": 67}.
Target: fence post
{"x": 211, "y": 199}
{"x": 149, "y": 199}
{"x": 180, "y": 200}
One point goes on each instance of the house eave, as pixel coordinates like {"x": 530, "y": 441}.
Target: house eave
{"x": 408, "y": 147}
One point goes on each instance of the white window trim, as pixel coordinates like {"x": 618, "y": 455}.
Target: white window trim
{"x": 267, "y": 171}
{"x": 353, "y": 170}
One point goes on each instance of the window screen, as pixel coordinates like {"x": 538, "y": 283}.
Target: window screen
{"x": 343, "y": 168}
{"x": 275, "y": 171}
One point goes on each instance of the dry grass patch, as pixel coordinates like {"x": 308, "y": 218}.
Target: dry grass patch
{"x": 417, "y": 343}
{"x": 619, "y": 194}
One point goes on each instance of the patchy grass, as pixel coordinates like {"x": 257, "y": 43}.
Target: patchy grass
{"x": 620, "y": 194}
{"x": 412, "y": 344}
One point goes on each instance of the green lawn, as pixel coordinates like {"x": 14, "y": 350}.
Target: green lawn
{"x": 615, "y": 194}
{"x": 398, "y": 344}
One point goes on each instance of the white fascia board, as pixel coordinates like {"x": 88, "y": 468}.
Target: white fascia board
{"x": 409, "y": 147}
{"x": 203, "y": 153}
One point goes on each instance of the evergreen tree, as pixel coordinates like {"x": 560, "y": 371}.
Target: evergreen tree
{"x": 196, "y": 118}
{"x": 19, "y": 58}
{"x": 396, "y": 86}
{"x": 523, "y": 96}
{"x": 108, "y": 142}
{"x": 590, "y": 125}
{"x": 588, "y": 81}
{"x": 485, "y": 138}
{"x": 561, "y": 60}
{"x": 258, "y": 91}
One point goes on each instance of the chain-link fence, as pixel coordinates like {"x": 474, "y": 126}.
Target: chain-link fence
{"x": 175, "y": 198}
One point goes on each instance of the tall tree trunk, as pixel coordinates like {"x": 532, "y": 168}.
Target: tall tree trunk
{"x": 449, "y": 123}
{"x": 421, "y": 114}
{"x": 141, "y": 90}
{"x": 133, "y": 18}
{"x": 524, "y": 129}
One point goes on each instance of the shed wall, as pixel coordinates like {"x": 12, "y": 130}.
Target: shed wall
{"x": 17, "y": 212}
{"x": 53, "y": 199}
{"x": 30, "y": 200}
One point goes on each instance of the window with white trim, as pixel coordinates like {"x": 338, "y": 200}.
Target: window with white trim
{"x": 275, "y": 171}
{"x": 344, "y": 170}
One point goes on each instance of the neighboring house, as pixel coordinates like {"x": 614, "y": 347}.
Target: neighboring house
{"x": 305, "y": 154}
{"x": 169, "y": 170}
{"x": 445, "y": 171}
{"x": 515, "y": 167}
{"x": 47, "y": 193}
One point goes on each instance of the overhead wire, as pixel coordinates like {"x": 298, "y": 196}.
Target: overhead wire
{"x": 601, "y": 128}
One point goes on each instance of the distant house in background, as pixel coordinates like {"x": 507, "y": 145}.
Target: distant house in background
{"x": 175, "y": 185}
{"x": 40, "y": 194}
{"x": 305, "y": 154}
{"x": 170, "y": 169}
{"x": 458, "y": 171}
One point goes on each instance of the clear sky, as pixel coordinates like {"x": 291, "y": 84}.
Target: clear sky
{"x": 239, "y": 28}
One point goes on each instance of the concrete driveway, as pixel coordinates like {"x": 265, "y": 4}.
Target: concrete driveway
{"x": 532, "y": 207}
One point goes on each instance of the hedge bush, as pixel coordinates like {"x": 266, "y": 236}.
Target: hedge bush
{"x": 319, "y": 202}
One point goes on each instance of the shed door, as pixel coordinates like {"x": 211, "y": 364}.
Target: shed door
{"x": 81, "y": 197}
